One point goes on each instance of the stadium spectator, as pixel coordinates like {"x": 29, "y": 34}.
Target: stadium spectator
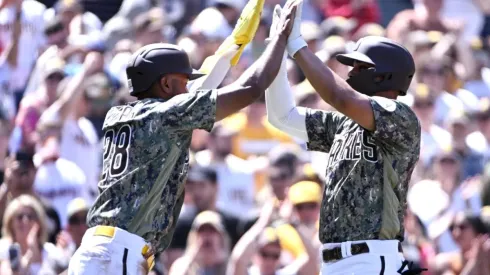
{"x": 465, "y": 229}
{"x": 24, "y": 223}
{"x": 31, "y": 40}
{"x": 66, "y": 66}
{"x": 261, "y": 246}
{"x": 208, "y": 247}
{"x": 19, "y": 178}
{"x": 203, "y": 185}
{"x": 426, "y": 16}
{"x": 235, "y": 176}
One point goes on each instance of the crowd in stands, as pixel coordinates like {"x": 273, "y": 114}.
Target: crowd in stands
{"x": 253, "y": 194}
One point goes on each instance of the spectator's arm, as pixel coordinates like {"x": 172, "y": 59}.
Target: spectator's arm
{"x": 465, "y": 56}
{"x": 11, "y": 53}
{"x": 397, "y": 29}
{"x": 3, "y": 200}
{"x": 182, "y": 265}
{"x": 246, "y": 246}
{"x": 68, "y": 100}
{"x": 309, "y": 263}
{"x": 463, "y": 50}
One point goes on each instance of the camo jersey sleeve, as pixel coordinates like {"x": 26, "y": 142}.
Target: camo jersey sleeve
{"x": 193, "y": 110}
{"x": 321, "y": 127}
{"x": 397, "y": 126}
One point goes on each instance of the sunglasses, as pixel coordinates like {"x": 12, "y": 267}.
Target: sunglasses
{"x": 75, "y": 220}
{"x": 306, "y": 206}
{"x": 29, "y": 216}
{"x": 461, "y": 227}
{"x": 268, "y": 255}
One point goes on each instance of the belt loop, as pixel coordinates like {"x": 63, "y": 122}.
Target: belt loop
{"x": 348, "y": 249}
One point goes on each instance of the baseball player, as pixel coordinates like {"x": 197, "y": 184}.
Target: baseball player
{"x": 373, "y": 142}
{"x": 146, "y": 148}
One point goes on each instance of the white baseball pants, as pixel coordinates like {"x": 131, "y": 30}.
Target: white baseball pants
{"x": 383, "y": 259}
{"x": 103, "y": 254}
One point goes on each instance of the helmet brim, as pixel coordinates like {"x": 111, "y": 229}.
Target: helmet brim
{"x": 349, "y": 58}
{"x": 196, "y": 74}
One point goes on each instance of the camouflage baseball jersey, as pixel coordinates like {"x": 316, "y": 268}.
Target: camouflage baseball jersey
{"x": 145, "y": 163}
{"x": 367, "y": 173}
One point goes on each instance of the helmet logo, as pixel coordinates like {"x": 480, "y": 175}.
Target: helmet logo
{"x": 130, "y": 85}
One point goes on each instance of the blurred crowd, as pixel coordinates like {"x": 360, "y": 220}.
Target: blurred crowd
{"x": 253, "y": 193}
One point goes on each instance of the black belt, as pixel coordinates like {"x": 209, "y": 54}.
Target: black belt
{"x": 335, "y": 254}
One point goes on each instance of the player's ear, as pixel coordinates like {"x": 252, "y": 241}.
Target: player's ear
{"x": 165, "y": 85}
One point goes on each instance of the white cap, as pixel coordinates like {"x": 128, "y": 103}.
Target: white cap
{"x": 212, "y": 24}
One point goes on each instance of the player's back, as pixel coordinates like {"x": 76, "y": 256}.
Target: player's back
{"x": 145, "y": 159}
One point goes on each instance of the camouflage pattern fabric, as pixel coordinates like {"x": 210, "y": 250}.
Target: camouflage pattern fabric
{"x": 145, "y": 163}
{"x": 368, "y": 172}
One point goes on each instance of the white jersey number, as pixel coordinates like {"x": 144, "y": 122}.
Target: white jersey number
{"x": 116, "y": 151}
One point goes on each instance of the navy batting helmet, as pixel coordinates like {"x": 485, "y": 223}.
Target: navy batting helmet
{"x": 393, "y": 66}
{"x": 151, "y": 62}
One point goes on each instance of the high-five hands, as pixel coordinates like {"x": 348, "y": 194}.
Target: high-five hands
{"x": 287, "y": 21}
{"x": 295, "y": 40}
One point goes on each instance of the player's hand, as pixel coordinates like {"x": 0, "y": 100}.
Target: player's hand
{"x": 94, "y": 62}
{"x": 293, "y": 28}
{"x": 276, "y": 19}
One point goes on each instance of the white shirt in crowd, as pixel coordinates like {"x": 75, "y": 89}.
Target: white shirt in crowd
{"x": 479, "y": 88}
{"x": 469, "y": 13}
{"x": 31, "y": 38}
{"x": 469, "y": 100}
{"x": 59, "y": 182}
{"x": 6, "y": 96}
{"x": 432, "y": 142}
{"x": 446, "y": 103}
{"x": 80, "y": 144}
{"x": 486, "y": 75}
{"x": 477, "y": 142}
{"x": 236, "y": 183}
{"x": 49, "y": 251}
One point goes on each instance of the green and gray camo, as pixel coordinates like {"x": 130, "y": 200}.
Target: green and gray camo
{"x": 145, "y": 163}
{"x": 367, "y": 173}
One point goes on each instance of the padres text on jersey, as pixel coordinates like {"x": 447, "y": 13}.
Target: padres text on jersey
{"x": 368, "y": 172}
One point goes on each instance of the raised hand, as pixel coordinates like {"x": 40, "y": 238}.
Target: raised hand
{"x": 295, "y": 40}
{"x": 94, "y": 62}
{"x": 288, "y": 16}
{"x": 276, "y": 18}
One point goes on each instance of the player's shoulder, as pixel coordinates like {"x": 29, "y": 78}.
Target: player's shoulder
{"x": 392, "y": 106}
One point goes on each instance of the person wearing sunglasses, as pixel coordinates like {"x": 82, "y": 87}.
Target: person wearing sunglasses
{"x": 208, "y": 247}
{"x": 466, "y": 228}
{"x": 24, "y": 227}
{"x": 260, "y": 251}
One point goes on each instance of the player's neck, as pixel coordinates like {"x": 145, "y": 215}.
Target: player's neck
{"x": 388, "y": 94}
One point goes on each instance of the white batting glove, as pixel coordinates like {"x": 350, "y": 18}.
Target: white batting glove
{"x": 295, "y": 40}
